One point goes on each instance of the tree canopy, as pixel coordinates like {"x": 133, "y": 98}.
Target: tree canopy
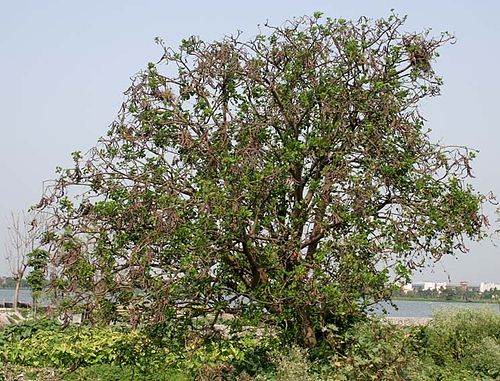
{"x": 288, "y": 178}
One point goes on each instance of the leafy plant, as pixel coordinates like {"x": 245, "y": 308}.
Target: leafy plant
{"x": 278, "y": 180}
{"x": 484, "y": 357}
{"x": 37, "y": 260}
{"x": 370, "y": 350}
{"x": 80, "y": 346}
{"x": 105, "y": 372}
{"x": 293, "y": 365}
{"x": 376, "y": 350}
{"x": 26, "y": 329}
{"x": 465, "y": 339}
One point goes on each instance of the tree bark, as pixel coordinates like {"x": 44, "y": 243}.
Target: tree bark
{"x": 308, "y": 334}
{"x": 16, "y": 292}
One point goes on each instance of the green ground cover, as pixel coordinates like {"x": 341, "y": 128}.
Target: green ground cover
{"x": 460, "y": 345}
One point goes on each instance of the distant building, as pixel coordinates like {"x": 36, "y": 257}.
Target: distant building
{"x": 474, "y": 287}
{"x": 407, "y": 287}
{"x": 441, "y": 286}
{"x": 486, "y": 286}
{"x": 453, "y": 287}
{"x": 425, "y": 286}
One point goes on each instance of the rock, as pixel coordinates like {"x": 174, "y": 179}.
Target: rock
{"x": 408, "y": 321}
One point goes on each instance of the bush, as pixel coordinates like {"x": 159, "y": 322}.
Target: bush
{"x": 77, "y": 346}
{"x": 456, "y": 346}
{"x": 293, "y": 365}
{"x": 485, "y": 358}
{"x": 26, "y": 329}
{"x": 44, "y": 344}
{"x": 377, "y": 350}
{"x": 121, "y": 373}
{"x": 464, "y": 339}
{"x": 222, "y": 358}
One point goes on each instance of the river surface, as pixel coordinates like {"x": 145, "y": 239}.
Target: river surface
{"x": 8, "y": 296}
{"x": 419, "y": 308}
{"x": 406, "y": 308}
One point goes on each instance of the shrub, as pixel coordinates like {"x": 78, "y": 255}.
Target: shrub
{"x": 377, "y": 350}
{"x": 293, "y": 365}
{"x": 452, "y": 334}
{"x": 79, "y": 346}
{"x": 465, "y": 339}
{"x": 484, "y": 357}
{"x": 27, "y": 329}
{"x": 105, "y": 372}
{"x": 456, "y": 346}
{"x": 228, "y": 358}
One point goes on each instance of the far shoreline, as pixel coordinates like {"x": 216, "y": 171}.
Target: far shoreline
{"x": 442, "y": 300}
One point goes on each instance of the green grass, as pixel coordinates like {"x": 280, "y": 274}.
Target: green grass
{"x": 104, "y": 372}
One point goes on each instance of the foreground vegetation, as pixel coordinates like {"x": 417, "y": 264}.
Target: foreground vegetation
{"x": 463, "y": 345}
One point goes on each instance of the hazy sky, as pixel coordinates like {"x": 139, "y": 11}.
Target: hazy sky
{"x": 65, "y": 64}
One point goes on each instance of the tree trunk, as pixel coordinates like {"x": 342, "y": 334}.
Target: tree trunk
{"x": 309, "y": 336}
{"x": 16, "y": 292}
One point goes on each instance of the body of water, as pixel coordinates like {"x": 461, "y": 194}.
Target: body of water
{"x": 405, "y": 308}
{"x": 419, "y": 308}
{"x": 8, "y": 296}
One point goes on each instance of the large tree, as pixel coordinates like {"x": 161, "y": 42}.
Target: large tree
{"x": 288, "y": 178}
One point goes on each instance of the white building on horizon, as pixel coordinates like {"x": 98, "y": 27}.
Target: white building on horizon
{"x": 440, "y": 286}
{"x": 488, "y": 286}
